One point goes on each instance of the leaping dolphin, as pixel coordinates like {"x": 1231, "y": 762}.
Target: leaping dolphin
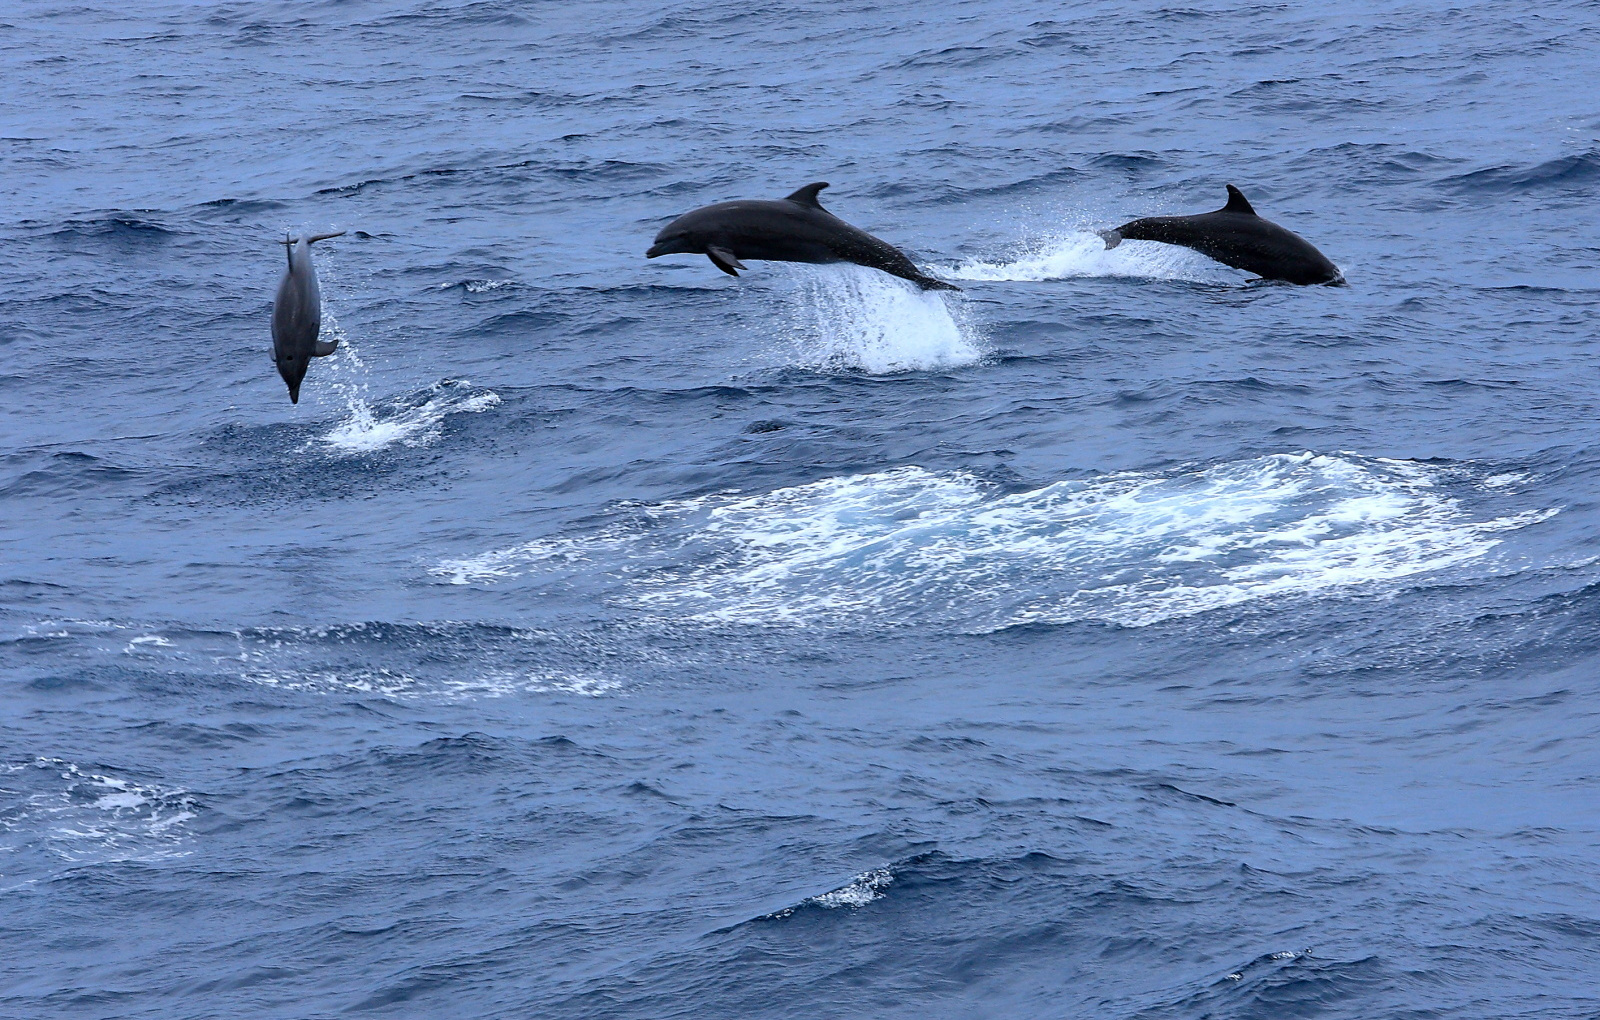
{"x": 793, "y": 229}
{"x": 1234, "y": 235}
{"x": 297, "y": 315}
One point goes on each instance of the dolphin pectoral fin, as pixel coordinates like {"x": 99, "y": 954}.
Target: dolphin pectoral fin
{"x": 808, "y": 195}
{"x": 1237, "y": 203}
{"x": 314, "y": 238}
{"x": 725, "y": 260}
{"x": 1111, "y": 238}
{"x": 324, "y": 348}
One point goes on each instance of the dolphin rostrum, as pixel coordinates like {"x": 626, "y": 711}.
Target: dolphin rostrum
{"x": 1234, "y": 235}
{"x": 297, "y": 315}
{"x": 793, "y": 229}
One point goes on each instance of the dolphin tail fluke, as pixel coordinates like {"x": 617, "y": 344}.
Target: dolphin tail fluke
{"x": 324, "y": 348}
{"x": 1111, "y": 237}
{"x": 291, "y": 240}
{"x": 929, "y": 283}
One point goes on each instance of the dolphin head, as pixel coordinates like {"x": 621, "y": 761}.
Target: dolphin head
{"x": 292, "y": 366}
{"x": 677, "y": 238}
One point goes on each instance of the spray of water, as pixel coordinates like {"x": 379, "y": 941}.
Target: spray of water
{"x": 852, "y": 318}
{"x": 415, "y": 419}
{"x": 1082, "y": 253}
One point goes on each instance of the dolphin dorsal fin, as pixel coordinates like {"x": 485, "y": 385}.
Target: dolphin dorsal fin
{"x": 1237, "y": 203}
{"x": 808, "y": 195}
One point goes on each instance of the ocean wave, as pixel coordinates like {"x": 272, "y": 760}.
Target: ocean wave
{"x": 909, "y": 545}
{"x": 1579, "y": 171}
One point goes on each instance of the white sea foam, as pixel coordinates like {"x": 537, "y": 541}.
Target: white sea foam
{"x": 910, "y": 545}
{"x": 390, "y": 683}
{"x": 476, "y": 286}
{"x": 847, "y": 317}
{"x": 369, "y": 426}
{"x": 408, "y": 421}
{"x": 858, "y": 892}
{"x": 1083, "y": 253}
{"x": 76, "y": 815}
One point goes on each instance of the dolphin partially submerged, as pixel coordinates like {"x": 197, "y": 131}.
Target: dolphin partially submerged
{"x": 1234, "y": 235}
{"x": 793, "y": 229}
{"x": 297, "y": 315}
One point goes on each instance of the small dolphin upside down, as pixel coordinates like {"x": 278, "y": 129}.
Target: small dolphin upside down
{"x": 1235, "y": 236}
{"x": 793, "y": 229}
{"x": 297, "y": 315}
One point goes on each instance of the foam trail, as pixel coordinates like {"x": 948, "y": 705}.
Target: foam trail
{"x": 854, "y": 318}
{"x": 1082, "y": 253}
{"x": 911, "y": 546}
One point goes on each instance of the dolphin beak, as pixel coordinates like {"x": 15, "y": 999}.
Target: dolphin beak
{"x": 294, "y": 393}
{"x": 659, "y": 248}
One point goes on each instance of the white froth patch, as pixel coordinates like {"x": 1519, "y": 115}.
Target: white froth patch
{"x": 912, "y": 546}
{"x": 858, "y": 892}
{"x": 75, "y": 815}
{"x": 368, "y": 426}
{"x": 1083, "y": 253}
{"x": 407, "y": 421}
{"x": 857, "y": 319}
{"x": 861, "y": 890}
{"x": 400, "y": 685}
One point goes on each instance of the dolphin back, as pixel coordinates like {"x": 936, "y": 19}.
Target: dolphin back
{"x": 297, "y": 312}
{"x": 792, "y": 229}
{"x": 1242, "y": 240}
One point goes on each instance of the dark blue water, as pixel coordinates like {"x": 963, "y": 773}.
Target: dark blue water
{"x": 603, "y": 637}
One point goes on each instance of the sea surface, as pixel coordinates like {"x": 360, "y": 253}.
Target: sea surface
{"x": 604, "y": 637}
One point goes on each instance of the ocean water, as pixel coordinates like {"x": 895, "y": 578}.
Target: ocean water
{"x": 606, "y": 637}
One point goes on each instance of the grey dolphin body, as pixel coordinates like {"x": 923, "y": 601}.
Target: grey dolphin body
{"x": 793, "y": 229}
{"x": 297, "y": 316}
{"x": 1234, "y": 235}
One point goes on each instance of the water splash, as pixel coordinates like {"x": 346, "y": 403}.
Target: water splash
{"x": 852, "y": 318}
{"x": 413, "y": 420}
{"x": 1082, "y": 253}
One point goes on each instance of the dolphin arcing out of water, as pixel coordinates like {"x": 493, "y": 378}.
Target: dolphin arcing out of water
{"x": 1234, "y": 235}
{"x": 297, "y": 315}
{"x": 793, "y": 229}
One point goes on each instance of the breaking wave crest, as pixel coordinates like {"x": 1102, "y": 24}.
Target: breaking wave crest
{"x": 910, "y": 545}
{"x": 865, "y": 888}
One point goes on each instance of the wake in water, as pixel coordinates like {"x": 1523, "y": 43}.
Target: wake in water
{"x": 856, "y": 319}
{"x": 1082, "y": 253}
{"x": 913, "y": 546}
